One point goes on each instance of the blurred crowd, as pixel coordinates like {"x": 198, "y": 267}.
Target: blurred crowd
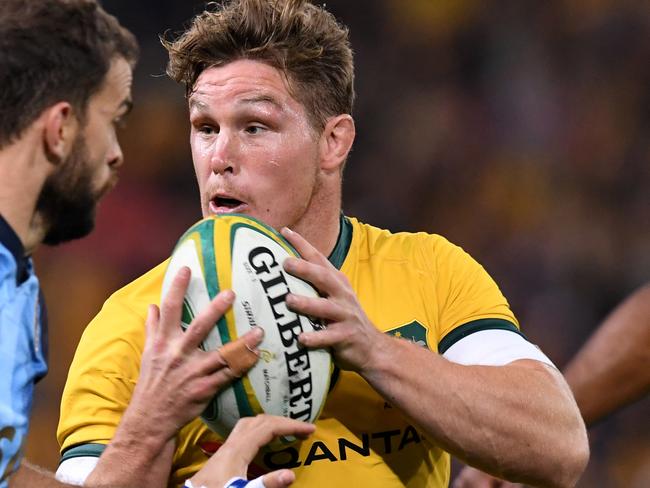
{"x": 517, "y": 129}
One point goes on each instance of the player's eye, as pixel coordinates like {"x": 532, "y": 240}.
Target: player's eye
{"x": 254, "y": 129}
{"x": 207, "y": 130}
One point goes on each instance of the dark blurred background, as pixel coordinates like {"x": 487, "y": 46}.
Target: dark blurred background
{"x": 518, "y": 129}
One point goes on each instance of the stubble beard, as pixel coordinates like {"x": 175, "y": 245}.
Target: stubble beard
{"x": 67, "y": 201}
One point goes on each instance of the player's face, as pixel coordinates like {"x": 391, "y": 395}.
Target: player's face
{"x": 253, "y": 147}
{"x": 69, "y": 196}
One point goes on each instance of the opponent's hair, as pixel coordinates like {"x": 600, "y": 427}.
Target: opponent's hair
{"x": 302, "y": 40}
{"x": 52, "y": 51}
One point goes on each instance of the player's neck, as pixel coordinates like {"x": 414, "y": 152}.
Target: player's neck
{"x": 321, "y": 223}
{"x": 22, "y": 173}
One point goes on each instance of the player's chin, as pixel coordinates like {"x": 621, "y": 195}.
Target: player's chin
{"x": 106, "y": 188}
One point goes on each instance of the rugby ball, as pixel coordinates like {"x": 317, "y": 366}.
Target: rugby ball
{"x": 242, "y": 254}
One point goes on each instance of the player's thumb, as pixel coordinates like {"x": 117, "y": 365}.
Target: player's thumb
{"x": 279, "y": 479}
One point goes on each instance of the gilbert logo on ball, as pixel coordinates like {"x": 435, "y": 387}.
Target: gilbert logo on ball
{"x": 240, "y": 253}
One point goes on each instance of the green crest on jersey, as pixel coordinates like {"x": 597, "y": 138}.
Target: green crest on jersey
{"x": 413, "y": 331}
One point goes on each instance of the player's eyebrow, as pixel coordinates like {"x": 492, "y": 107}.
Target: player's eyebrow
{"x": 198, "y": 105}
{"x": 262, "y": 99}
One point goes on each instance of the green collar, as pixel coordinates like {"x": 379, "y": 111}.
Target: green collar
{"x": 340, "y": 251}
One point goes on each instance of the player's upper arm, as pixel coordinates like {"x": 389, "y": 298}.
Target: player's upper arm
{"x": 494, "y": 348}
{"x": 475, "y": 322}
{"x": 75, "y": 470}
{"x": 102, "y": 376}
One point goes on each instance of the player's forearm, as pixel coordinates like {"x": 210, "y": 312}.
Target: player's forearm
{"x": 29, "y": 476}
{"x": 135, "y": 457}
{"x": 611, "y": 369}
{"x": 517, "y": 421}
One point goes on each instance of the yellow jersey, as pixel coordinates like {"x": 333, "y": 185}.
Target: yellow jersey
{"x": 419, "y": 287}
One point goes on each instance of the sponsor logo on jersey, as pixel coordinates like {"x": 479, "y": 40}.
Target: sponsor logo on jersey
{"x": 382, "y": 443}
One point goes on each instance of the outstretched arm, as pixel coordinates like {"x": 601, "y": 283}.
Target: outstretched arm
{"x": 176, "y": 381}
{"x": 29, "y": 475}
{"x": 611, "y": 369}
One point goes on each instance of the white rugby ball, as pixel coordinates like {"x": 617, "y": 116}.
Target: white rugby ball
{"x": 240, "y": 253}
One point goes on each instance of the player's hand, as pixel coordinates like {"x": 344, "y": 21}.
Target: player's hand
{"x": 349, "y": 332}
{"x": 473, "y": 478}
{"x": 241, "y": 446}
{"x": 177, "y": 379}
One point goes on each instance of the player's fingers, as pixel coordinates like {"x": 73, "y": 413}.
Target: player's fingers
{"x": 241, "y": 355}
{"x": 315, "y": 307}
{"x": 231, "y": 361}
{"x": 328, "y": 337}
{"x": 277, "y": 479}
{"x": 219, "y": 379}
{"x": 153, "y": 319}
{"x": 304, "y": 248}
{"x": 205, "y": 321}
{"x": 279, "y": 426}
{"x": 172, "y": 304}
{"x": 322, "y": 278}
{"x": 262, "y": 429}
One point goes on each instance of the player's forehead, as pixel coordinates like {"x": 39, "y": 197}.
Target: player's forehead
{"x": 242, "y": 83}
{"x": 115, "y": 91}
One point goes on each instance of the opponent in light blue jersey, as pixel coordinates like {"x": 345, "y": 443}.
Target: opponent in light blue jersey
{"x": 23, "y": 346}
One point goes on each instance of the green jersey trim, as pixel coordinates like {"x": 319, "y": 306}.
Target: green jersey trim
{"x": 83, "y": 450}
{"x": 337, "y": 257}
{"x": 340, "y": 251}
{"x": 475, "y": 326}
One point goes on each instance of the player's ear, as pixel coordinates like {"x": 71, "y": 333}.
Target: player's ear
{"x": 336, "y": 141}
{"x": 60, "y": 128}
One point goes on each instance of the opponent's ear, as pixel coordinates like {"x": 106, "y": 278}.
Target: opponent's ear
{"x": 59, "y": 131}
{"x": 336, "y": 141}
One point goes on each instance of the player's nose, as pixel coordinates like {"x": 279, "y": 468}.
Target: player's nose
{"x": 115, "y": 157}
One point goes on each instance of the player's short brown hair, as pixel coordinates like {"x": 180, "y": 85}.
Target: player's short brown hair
{"x": 51, "y": 51}
{"x": 302, "y": 40}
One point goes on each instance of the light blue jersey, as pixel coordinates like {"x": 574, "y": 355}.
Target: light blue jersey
{"x": 23, "y": 345}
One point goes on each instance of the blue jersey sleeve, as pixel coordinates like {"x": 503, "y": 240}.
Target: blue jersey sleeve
{"x": 22, "y": 358}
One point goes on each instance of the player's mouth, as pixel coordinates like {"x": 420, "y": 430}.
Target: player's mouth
{"x": 223, "y": 204}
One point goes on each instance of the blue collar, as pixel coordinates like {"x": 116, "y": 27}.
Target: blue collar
{"x": 10, "y": 240}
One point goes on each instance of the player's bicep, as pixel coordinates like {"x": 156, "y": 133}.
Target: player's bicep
{"x": 92, "y": 407}
{"x": 75, "y": 469}
{"x": 494, "y": 348}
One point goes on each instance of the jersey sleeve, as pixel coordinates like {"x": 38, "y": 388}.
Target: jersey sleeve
{"x": 102, "y": 376}
{"x": 468, "y": 298}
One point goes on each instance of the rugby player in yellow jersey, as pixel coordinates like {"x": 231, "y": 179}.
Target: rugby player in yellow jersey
{"x": 430, "y": 357}
{"x": 65, "y": 72}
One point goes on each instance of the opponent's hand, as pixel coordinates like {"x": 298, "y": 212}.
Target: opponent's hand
{"x": 241, "y": 446}
{"x": 177, "y": 379}
{"x": 473, "y": 478}
{"x": 349, "y": 332}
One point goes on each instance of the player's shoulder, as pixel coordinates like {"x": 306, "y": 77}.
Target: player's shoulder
{"x": 7, "y": 266}
{"x": 120, "y": 322}
{"x": 143, "y": 290}
{"x": 124, "y": 312}
{"x": 373, "y": 241}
